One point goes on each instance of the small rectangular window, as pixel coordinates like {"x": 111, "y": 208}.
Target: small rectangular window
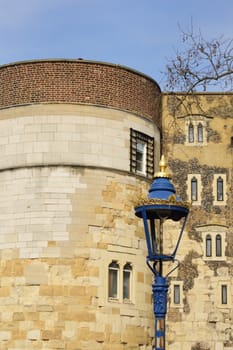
{"x": 194, "y": 189}
{"x": 224, "y": 294}
{"x": 176, "y": 294}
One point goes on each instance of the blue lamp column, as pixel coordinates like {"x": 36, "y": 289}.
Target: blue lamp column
{"x": 160, "y": 205}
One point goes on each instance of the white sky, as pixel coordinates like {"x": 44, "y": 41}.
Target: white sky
{"x": 140, "y": 34}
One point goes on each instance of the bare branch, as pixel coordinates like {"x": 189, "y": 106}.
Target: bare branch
{"x": 202, "y": 65}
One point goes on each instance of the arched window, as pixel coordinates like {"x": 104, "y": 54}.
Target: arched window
{"x": 200, "y": 133}
{"x": 127, "y": 276}
{"x": 218, "y": 245}
{"x": 191, "y": 133}
{"x": 113, "y": 280}
{"x": 208, "y": 242}
{"x": 220, "y": 189}
{"x": 194, "y": 189}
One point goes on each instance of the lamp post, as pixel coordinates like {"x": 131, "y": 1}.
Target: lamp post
{"x": 160, "y": 205}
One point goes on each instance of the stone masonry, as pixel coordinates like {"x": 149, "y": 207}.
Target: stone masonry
{"x": 202, "y": 320}
{"x": 66, "y": 209}
{"x": 66, "y": 206}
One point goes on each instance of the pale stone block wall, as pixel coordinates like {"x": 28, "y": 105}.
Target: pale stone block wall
{"x": 69, "y": 134}
{"x": 66, "y": 211}
{"x": 54, "y": 286}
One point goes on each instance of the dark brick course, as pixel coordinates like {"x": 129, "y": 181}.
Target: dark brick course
{"x": 79, "y": 81}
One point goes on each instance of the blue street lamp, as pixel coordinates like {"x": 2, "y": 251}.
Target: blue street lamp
{"x": 160, "y": 205}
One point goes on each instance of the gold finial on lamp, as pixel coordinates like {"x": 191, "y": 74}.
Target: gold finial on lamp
{"x": 162, "y": 169}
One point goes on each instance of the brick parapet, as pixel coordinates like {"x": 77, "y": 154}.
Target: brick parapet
{"x": 79, "y": 81}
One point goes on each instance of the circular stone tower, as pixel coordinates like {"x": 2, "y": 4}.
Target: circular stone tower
{"x": 79, "y": 140}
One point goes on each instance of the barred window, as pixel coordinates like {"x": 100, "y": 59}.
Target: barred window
{"x": 141, "y": 157}
{"x": 141, "y": 154}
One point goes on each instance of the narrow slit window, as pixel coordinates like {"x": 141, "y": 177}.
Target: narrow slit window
{"x": 127, "y": 276}
{"x": 191, "y": 133}
{"x": 224, "y": 294}
{"x": 194, "y": 189}
{"x": 176, "y": 294}
{"x": 218, "y": 245}
{"x": 208, "y": 246}
{"x": 200, "y": 133}
{"x": 113, "y": 280}
{"x": 220, "y": 189}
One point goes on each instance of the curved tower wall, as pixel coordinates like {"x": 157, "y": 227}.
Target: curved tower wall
{"x": 66, "y": 207}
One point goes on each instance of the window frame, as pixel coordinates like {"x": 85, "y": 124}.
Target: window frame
{"x": 218, "y": 245}
{"x": 213, "y": 231}
{"x": 220, "y": 189}
{"x": 200, "y": 132}
{"x": 124, "y": 292}
{"x": 190, "y": 179}
{"x": 176, "y": 294}
{"x": 208, "y": 246}
{"x": 224, "y": 294}
{"x": 112, "y": 278}
{"x": 195, "y": 130}
{"x": 194, "y": 189}
{"x": 176, "y": 287}
{"x": 127, "y": 278}
{"x": 220, "y": 197}
{"x": 224, "y": 298}
{"x": 136, "y": 138}
{"x": 141, "y": 147}
{"x": 191, "y": 133}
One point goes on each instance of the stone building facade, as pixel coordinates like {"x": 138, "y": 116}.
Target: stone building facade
{"x": 72, "y": 270}
{"x": 198, "y": 142}
{"x": 79, "y": 140}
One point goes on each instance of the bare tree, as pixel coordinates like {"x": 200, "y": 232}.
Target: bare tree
{"x": 202, "y": 65}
